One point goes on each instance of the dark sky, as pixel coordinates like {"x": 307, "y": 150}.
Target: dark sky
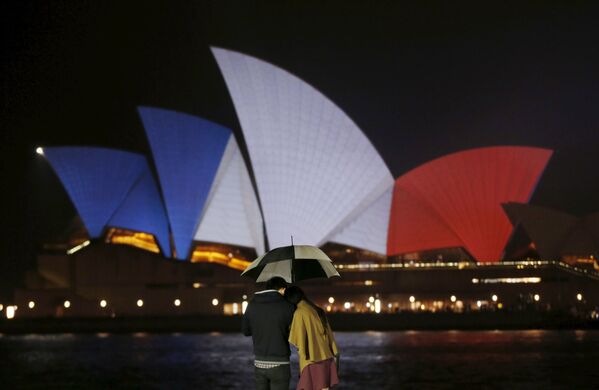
{"x": 422, "y": 79}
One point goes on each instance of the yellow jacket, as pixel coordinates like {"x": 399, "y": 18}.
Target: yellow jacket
{"x": 313, "y": 342}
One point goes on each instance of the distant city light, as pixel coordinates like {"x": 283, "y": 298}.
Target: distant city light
{"x": 453, "y": 298}
{"x": 377, "y": 306}
{"x": 39, "y": 150}
{"x": 368, "y": 282}
{"x": 177, "y": 302}
{"x": 244, "y": 306}
{"x": 367, "y": 304}
{"x": 10, "y": 312}
{"x": 346, "y": 305}
{"x": 331, "y": 300}
{"x": 244, "y": 297}
{"x": 579, "y": 296}
{"x": 329, "y": 308}
{"x": 422, "y": 307}
{"x": 197, "y": 285}
{"x": 494, "y": 298}
{"x": 67, "y": 304}
{"x": 412, "y": 299}
{"x": 500, "y": 305}
{"x": 103, "y": 303}
{"x": 371, "y": 299}
{"x": 479, "y": 303}
{"x": 1, "y": 307}
{"x": 537, "y": 297}
{"x": 230, "y": 255}
{"x": 389, "y": 305}
{"x": 235, "y": 308}
{"x": 215, "y": 302}
{"x": 140, "y": 303}
{"x": 31, "y": 304}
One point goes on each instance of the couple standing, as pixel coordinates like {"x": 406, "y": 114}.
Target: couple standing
{"x": 280, "y": 315}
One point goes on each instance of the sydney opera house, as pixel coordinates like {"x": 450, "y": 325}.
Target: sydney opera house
{"x": 169, "y": 233}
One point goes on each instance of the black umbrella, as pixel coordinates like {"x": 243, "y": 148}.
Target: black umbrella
{"x": 292, "y": 263}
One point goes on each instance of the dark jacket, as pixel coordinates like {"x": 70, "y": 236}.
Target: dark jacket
{"x": 268, "y": 319}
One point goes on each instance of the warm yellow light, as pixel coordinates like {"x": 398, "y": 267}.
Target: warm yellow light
{"x": 500, "y": 305}
{"x": 244, "y": 306}
{"x": 537, "y": 297}
{"x": 371, "y": 299}
{"x": 235, "y": 308}
{"x": 215, "y": 302}
{"x": 347, "y": 305}
{"x": 207, "y": 256}
{"x": 177, "y": 302}
{"x": 31, "y": 304}
{"x": 377, "y": 306}
{"x": 494, "y": 298}
{"x": 479, "y": 303}
{"x": 197, "y": 285}
{"x": 145, "y": 241}
{"x": 67, "y": 304}
{"x": 579, "y": 297}
{"x": 140, "y": 303}
{"x": 328, "y": 307}
{"x": 367, "y": 304}
{"x": 331, "y": 300}
{"x": 453, "y": 298}
{"x": 422, "y": 307}
{"x": 10, "y": 312}
{"x": 1, "y": 307}
{"x": 412, "y": 299}
{"x": 368, "y": 282}
{"x": 103, "y": 303}
{"x": 39, "y": 150}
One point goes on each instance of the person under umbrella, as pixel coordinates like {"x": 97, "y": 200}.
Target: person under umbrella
{"x": 313, "y": 337}
{"x": 267, "y": 319}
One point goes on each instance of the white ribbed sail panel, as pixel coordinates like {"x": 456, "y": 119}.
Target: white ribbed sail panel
{"x": 231, "y": 214}
{"x": 314, "y": 167}
{"x": 369, "y": 229}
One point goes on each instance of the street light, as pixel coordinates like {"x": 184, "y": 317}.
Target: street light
{"x": 494, "y": 298}
{"x": 31, "y": 304}
{"x": 103, "y": 303}
{"x": 537, "y": 297}
{"x": 140, "y": 303}
{"x": 453, "y": 298}
{"x": 177, "y": 302}
{"x": 412, "y": 299}
{"x": 579, "y": 297}
{"x": 66, "y": 304}
{"x": 39, "y": 150}
{"x": 215, "y": 302}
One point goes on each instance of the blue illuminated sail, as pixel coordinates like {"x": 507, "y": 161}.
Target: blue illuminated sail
{"x": 187, "y": 152}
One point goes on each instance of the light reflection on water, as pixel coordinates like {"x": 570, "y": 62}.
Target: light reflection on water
{"x": 369, "y": 360}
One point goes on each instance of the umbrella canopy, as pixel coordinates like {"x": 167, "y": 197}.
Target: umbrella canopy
{"x": 292, "y": 263}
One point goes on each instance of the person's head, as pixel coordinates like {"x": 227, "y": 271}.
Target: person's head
{"x": 276, "y": 283}
{"x": 294, "y": 294}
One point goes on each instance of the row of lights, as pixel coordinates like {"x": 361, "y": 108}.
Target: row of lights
{"x": 103, "y": 303}
{"x": 372, "y": 300}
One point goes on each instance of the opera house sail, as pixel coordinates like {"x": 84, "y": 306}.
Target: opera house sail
{"x": 315, "y": 169}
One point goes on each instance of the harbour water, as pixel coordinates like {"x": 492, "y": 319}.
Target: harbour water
{"x": 531, "y": 359}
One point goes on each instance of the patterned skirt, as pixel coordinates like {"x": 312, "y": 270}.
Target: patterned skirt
{"x": 319, "y": 375}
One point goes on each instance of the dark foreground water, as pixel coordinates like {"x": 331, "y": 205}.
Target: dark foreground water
{"x": 370, "y": 360}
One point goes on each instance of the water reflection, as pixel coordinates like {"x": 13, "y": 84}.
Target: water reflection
{"x": 387, "y": 360}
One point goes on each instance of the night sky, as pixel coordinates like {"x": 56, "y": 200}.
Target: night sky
{"x": 420, "y": 81}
